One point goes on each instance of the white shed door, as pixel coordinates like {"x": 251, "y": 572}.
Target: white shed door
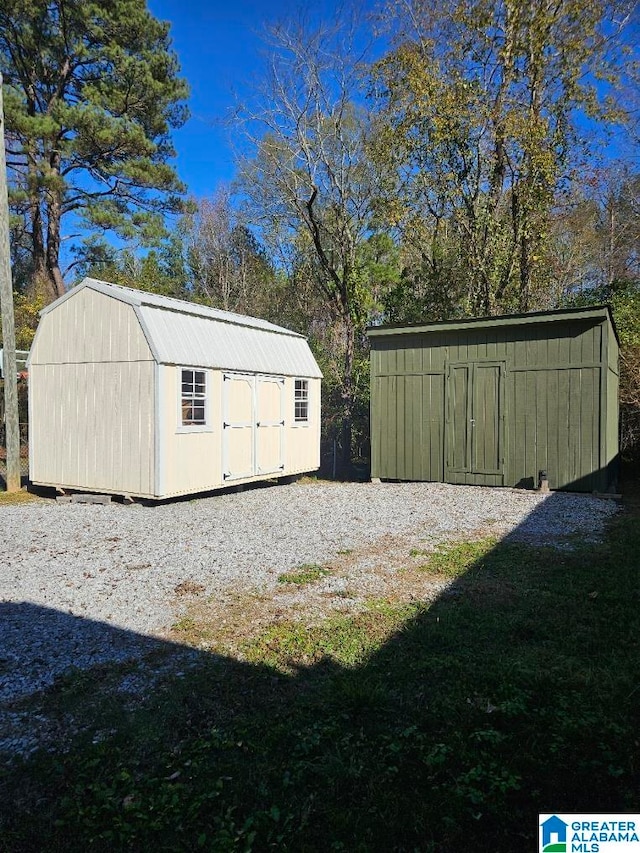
{"x": 238, "y": 445}
{"x": 253, "y": 425}
{"x": 269, "y": 424}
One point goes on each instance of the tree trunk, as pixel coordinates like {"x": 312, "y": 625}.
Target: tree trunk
{"x": 40, "y": 281}
{"x": 54, "y": 214}
{"x": 525, "y": 273}
{"x": 348, "y": 395}
{"x": 345, "y": 438}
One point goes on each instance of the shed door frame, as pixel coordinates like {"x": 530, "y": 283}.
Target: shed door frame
{"x": 255, "y": 424}
{"x": 231, "y": 425}
{"x": 263, "y": 425}
{"x": 466, "y": 417}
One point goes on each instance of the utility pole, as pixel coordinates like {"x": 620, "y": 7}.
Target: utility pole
{"x": 9, "y": 370}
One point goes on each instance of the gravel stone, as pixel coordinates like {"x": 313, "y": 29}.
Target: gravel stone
{"x": 82, "y": 584}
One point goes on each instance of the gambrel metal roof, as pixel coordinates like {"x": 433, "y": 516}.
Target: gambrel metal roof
{"x": 190, "y": 334}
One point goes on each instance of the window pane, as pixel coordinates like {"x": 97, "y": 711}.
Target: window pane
{"x": 301, "y": 400}
{"x": 193, "y": 397}
{"x": 187, "y": 381}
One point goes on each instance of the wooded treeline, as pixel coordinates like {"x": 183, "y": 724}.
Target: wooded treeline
{"x": 484, "y": 162}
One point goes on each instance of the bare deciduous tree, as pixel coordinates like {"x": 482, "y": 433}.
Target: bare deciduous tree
{"x": 228, "y": 267}
{"x": 309, "y": 181}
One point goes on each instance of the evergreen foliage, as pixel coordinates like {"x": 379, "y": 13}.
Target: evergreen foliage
{"x": 92, "y": 93}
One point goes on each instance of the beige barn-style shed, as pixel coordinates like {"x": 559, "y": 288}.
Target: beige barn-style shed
{"x": 138, "y": 394}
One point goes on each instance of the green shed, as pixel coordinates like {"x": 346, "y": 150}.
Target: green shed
{"x": 493, "y": 401}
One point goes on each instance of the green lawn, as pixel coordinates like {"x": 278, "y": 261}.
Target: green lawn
{"x": 446, "y": 727}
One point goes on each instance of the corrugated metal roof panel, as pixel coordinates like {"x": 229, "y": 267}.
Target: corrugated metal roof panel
{"x": 187, "y": 333}
{"x": 179, "y": 338}
{"x": 142, "y": 297}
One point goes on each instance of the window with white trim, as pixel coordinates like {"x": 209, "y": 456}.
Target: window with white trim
{"x": 301, "y": 401}
{"x": 193, "y": 398}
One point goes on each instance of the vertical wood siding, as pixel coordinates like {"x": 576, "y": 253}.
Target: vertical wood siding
{"x": 90, "y": 327}
{"x": 92, "y": 426}
{"x": 189, "y": 461}
{"x": 193, "y": 461}
{"x": 555, "y": 426}
{"x": 408, "y": 442}
{"x": 302, "y": 443}
{"x": 92, "y": 398}
{"x": 495, "y": 405}
{"x": 611, "y": 419}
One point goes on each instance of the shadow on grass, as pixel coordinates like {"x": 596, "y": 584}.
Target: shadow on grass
{"x": 442, "y": 727}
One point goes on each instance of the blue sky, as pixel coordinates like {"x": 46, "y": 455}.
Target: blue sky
{"x": 219, "y": 47}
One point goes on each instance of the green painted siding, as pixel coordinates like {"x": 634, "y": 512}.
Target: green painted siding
{"x": 611, "y": 419}
{"x": 495, "y": 402}
{"x": 458, "y": 438}
{"x": 410, "y": 444}
{"x": 486, "y": 427}
{"x": 554, "y": 426}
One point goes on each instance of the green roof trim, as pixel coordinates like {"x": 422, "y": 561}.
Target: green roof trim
{"x": 596, "y": 312}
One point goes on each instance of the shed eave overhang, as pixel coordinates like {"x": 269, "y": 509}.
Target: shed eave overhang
{"x": 598, "y": 312}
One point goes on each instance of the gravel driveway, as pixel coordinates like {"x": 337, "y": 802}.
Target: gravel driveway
{"x": 84, "y": 584}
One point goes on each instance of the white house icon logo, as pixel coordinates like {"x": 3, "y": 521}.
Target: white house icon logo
{"x": 554, "y": 835}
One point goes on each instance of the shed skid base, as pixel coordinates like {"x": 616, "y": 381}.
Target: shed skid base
{"x": 90, "y": 499}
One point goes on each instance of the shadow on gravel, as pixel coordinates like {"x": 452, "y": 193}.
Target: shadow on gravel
{"x": 412, "y": 728}
{"x": 39, "y": 645}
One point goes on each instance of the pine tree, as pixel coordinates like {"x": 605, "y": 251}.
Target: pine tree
{"x": 93, "y": 91}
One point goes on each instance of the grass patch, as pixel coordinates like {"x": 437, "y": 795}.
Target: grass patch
{"x": 21, "y": 497}
{"x": 307, "y": 573}
{"x": 194, "y": 632}
{"x": 345, "y": 640}
{"x": 406, "y": 727}
{"x": 454, "y": 560}
{"x": 418, "y": 552}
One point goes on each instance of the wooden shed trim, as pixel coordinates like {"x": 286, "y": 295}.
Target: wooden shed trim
{"x": 599, "y": 312}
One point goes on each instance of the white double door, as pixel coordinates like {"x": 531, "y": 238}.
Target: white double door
{"x": 253, "y": 425}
